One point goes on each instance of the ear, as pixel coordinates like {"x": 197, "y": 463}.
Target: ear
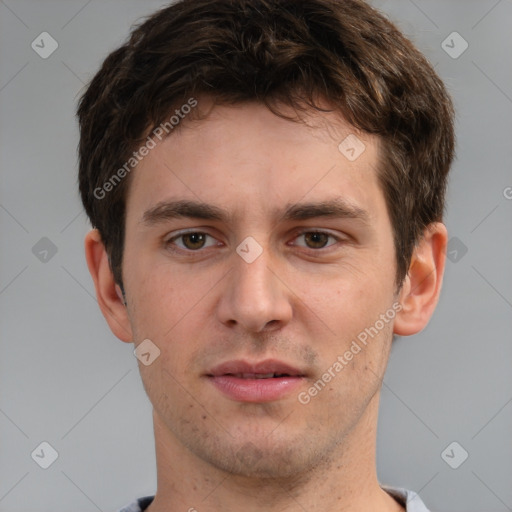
{"x": 108, "y": 293}
{"x": 422, "y": 285}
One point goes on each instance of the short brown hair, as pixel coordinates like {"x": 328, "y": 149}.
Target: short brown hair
{"x": 275, "y": 52}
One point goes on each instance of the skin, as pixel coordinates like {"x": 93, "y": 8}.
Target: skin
{"x": 302, "y": 301}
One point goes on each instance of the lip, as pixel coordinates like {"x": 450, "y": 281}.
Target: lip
{"x": 261, "y": 367}
{"x": 238, "y": 380}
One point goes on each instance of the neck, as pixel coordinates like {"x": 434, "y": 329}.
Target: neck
{"x": 345, "y": 481}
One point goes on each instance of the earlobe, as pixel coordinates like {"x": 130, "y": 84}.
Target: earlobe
{"x": 108, "y": 293}
{"x": 422, "y": 286}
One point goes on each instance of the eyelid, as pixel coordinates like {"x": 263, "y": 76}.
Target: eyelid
{"x": 299, "y": 232}
{"x": 168, "y": 240}
{"x": 320, "y": 231}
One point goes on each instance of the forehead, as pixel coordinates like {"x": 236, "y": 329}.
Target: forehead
{"x": 245, "y": 156}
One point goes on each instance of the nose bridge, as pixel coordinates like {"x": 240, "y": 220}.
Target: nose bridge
{"x": 254, "y": 297}
{"x": 253, "y": 276}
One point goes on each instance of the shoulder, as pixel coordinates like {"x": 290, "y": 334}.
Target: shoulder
{"x": 138, "y": 505}
{"x": 409, "y": 499}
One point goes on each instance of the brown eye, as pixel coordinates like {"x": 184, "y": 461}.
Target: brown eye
{"x": 316, "y": 240}
{"x": 192, "y": 241}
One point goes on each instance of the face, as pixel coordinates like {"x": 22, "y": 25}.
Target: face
{"x": 256, "y": 255}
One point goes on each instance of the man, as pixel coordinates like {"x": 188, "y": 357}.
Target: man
{"x": 266, "y": 181}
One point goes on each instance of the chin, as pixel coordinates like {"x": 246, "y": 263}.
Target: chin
{"x": 263, "y": 458}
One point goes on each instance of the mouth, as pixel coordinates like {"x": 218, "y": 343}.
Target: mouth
{"x": 259, "y": 375}
{"x": 263, "y": 381}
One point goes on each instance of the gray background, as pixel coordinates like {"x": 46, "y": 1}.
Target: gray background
{"x": 65, "y": 379}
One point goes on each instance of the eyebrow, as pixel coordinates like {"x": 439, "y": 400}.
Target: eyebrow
{"x": 333, "y": 208}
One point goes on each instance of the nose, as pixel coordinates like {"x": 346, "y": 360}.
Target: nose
{"x": 254, "y": 297}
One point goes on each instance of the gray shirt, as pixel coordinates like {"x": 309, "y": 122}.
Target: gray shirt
{"x": 409, "y": 499}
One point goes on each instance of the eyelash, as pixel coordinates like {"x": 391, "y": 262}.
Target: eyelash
{"x": 171, "y": 240}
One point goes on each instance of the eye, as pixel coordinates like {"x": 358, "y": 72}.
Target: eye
{"x": 316, "y": 239}
{"x": 191, "y": 241}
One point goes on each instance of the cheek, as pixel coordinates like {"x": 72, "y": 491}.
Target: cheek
{"x": 164, "y": 309}
{"x": 346, "y": 300}
{"x": 347, "y": 310}
{"x": 165, "y": 379}
{"x": 159, "y": 299}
